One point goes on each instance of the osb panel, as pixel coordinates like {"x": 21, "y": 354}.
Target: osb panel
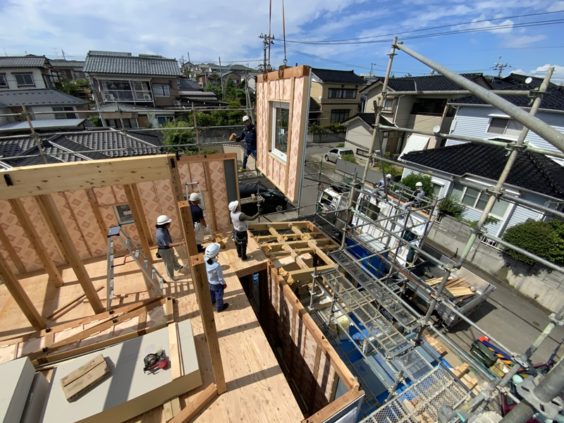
{"x": 32, "y": 210}
{"x": 18, "y": 239}
{"x": 105, "y": 196}
{"x": 119, "y": 193}
{"x": 220, "y": 201}
{"x": 285, "y": 175}
{"x": 157, "y": 198}
{"x": 75, "y": 233}
{"x": 86, "y": 221}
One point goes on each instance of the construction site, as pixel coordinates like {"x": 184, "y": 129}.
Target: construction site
{"x": 336, "y": 316}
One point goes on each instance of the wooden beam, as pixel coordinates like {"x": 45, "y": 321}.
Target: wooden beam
{"x": 196, "y": 404}
{"x": 61, "y": 235}
{"x": 287, "y": 73}
{"x": 96, "y": 210}
{"x": 331, "y": 409}
{"x": 140, "y": 221}
{"x": 208, "y": 157}
{"x": 200, "y": 281}
{"x": 18, "y": 293}
{"x": 36, "y": 242}
{"x": 11, "y": 252}
{"x": 49, "y": 178}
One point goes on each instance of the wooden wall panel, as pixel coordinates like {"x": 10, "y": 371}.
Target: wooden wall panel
{"x": 75, "y": 232}
{"x": 17, "y": 238}
{"x": 219, "y": 196}
{"x": 157, "y": 198}
{"x": 290, "y": 87}
{"x": 86, "y": 220}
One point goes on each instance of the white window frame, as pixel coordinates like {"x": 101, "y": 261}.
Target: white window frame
{"x": 30, "y": 74}
{"x": 274, "y": 106}
{"x": 506, "y": 128}
{"x": 5, "y": 79}
{"x": 480, "y": 193}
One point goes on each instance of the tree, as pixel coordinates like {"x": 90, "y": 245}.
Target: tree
{"x": 174, "y": 136}
{"x": 411, "y": 179}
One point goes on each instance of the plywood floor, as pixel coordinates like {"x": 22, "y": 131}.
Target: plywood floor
{"x": 256, "y": 387}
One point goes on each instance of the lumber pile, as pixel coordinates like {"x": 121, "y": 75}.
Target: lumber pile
{"x": 457, "y": 287}
{"x": 85, "y": 378}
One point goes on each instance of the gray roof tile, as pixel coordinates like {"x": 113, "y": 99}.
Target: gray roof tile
{"x": 14, "y": 98}
{"x": 23, "y": 61}
{"x": 122, "y": 64}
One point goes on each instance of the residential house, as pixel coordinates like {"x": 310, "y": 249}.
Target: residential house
{"x": 123, "y": 81}
{"x": 414, "y": 102}
{"x": 334, "y": 96}
{"x": 205, "y": 73}
{"x": 66, "y": 70}
{"x": 25, "y": 72}
{"x": 360, "y": 130}
{"x": 536, "y": 178}
{"x": 190, "y": 94}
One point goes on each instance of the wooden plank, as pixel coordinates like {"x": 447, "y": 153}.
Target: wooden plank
{"x": 196, "y": 404}
{"x": 176, "y": 365}
{"x": 11, "y": 252}
{"x": 60, "y": 233}
{"x": 19, "y": 294}
{"x": 49, "y": 178}
{"x": 78, "y": 382}
{"x": 140, "y": 222}
{"x": 96, "y": 210}
{"x": 200, "y": 280}
{"x": 334, "y": 407}
{"x": 36, "y": 242}
{"x": 287, "y": 73}
{"x": 208, "y": 157}
{"x": 209, "y": 186}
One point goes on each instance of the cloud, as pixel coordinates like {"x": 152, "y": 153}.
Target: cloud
{"x": 557, "y": 76}
{"x": 481, "y": 24}
{"x": 556, "y": 7}
{"x": 521, "y": 41}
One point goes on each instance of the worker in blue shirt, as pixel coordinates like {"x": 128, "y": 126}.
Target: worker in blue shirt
{"x": 215, "y": 277}
{"x": 198, "y": 219}
{"x": 166, "y": 246}
{"x": 249, "y": 134}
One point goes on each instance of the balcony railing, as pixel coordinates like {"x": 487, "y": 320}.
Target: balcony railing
{"x": 128, "y": 96}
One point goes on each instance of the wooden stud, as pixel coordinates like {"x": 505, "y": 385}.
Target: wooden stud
{"x": 175, "y": 179}
{"x": 293, "y": 72}
{"x": 78, "y": 225}
{"x": 209, "y": 185}
{"x": 61, "y": 235}
{"x": 331, "y": 409}
{"x": 139, "y": 218}
{"x": 36, "y": 242}
{"x": 200, "y": 280}
{"x": 11, "y": 252}
{"x": 289, "y": 138}
{"x": 49, "y": 178}
{"x": 96, "y": 210}
{"x": 18, "y": 293}
{"x": 196, "y": 404}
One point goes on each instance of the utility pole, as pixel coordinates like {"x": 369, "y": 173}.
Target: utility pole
{"x": 500, "y": 67}
{"x": 267, "y": 41}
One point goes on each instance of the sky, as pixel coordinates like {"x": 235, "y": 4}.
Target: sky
{"x": 463, "y": 35}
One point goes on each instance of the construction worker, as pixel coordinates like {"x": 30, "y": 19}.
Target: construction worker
{"x": 239, "y": 220}
{"x": 249, "y": 134}
{"x": 166, "y": 246}
{"x": 215, "y": 276}
{"x": 198, "y": 219}
{"x": 387, "y": 181}
{"x": 418, "y": 195}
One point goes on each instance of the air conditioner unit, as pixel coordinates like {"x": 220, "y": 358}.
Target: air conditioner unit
{"x": 147, "y": 97}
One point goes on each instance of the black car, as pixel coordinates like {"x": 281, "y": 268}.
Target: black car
{"x": 274, "y": 201}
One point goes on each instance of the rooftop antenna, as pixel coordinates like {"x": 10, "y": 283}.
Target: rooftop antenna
{"x": 500, "y": 67}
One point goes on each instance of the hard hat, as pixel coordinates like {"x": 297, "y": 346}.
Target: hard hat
{"x": 163, "y": 219}
{"x": 246, "y": 118}
{"x": 419, "y": 184}
{"x": 233, "y": 206}
{"x": 388, "y": 176}
{"x": 195, "y": 197}
{"x": 212, "y": 250}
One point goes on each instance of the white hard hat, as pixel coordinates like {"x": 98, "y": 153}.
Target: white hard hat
{"x": 388, "y": 176}
{"x": 233, "y": 206}
{"x": 195, "y": 197}
{"x": 163, "y": 219}
{"x": 212, "y": 250}
{"x": 419, "y": 184}
{"x": 246, "y": 118}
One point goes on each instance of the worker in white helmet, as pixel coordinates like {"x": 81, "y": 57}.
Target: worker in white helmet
{"x": 418, "y": 195}
{"x": 240, "y": 226}
{"x": 215, "y": 276}
{"x": 249, "y": 134}
{"x": 166, "y": 246}
{"x": 198, "y": 219}
{"x": 386, "y": 181}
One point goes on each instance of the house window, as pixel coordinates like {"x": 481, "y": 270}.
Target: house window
{"x": 476, "y": 199}
{"x": 345, "y": 93}
{"x": 64, "y": 115}
{"x": 339, "y": 115}
{"x": 161, "y": 90}
{"x": 3, "y": 81}
{"x": 280, "y": 114}
{"x": 127, "y": 91}
{"x": 503, "y": 126}
{"x": 388, "y": 104}
{"x": 24, "y": 79}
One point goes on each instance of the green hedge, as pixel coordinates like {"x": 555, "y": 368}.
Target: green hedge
{"x": 544, "y": 239}
{"x": 411, "y": 179}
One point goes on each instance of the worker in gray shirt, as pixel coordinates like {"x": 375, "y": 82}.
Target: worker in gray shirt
{"x": 166, "y": 246}
{"x": 240, "y": 226}
{"x": 215, "y": 277}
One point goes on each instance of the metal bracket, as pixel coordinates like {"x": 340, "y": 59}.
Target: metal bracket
{"x": 550, "y": 409}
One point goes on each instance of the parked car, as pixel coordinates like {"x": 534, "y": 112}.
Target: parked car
{"x": 274, "y": 201}
{"x": 337, "y": 153}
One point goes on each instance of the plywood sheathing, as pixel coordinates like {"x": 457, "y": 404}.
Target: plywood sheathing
{"x": 289, "y": 86}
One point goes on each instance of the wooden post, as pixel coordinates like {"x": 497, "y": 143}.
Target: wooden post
{"x": 140, "y": 222}
{"x": 35, "y": 239}
{"x": 61, "y": 235}
{"x": 196, "y": 404}
{"x": 211, "y": 206}
{"x": 20, "y": 296}
{"x": 200, "y": 280}
{"x": 93, "y": 201}
{"x": 11, "y": 252}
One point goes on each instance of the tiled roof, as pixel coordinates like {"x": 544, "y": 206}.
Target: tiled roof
{"x": 79, "y": 146}
{"x": 369, "y": 118}
{"x": 30, "y": 61}
{"x": 126, "y": 64}
{"x": 46, "y": 97}
{"x": 531, "y": 171}
{"x": 553, "y": 99}
{"x": 426, "y": 83}
{"x": 338, "y": 76}
{"x": 67, "y": 63}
